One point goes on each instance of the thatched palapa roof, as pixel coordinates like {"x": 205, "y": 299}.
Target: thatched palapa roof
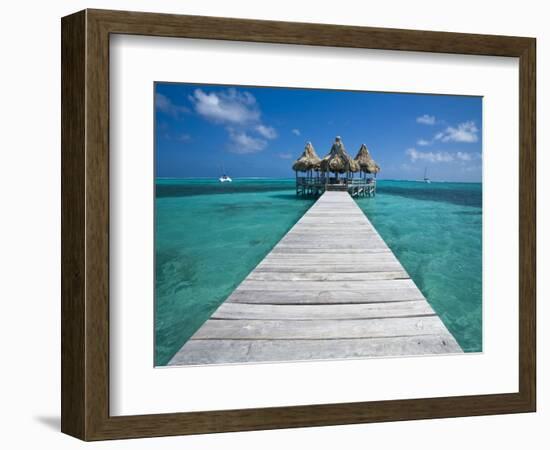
{"x": 338, "y": 160}
{"x": 308, "y": 161}
{"x": 365, "y": 161}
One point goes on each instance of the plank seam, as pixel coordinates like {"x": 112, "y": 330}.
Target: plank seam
{"x": 263, "y": 319}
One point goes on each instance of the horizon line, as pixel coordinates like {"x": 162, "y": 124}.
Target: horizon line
{"x": 214, "y": 177}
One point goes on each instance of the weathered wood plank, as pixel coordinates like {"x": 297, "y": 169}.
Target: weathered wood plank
{"x": 285, "y": 263}
{"x": 327, "y": 245}
{"x": 340, "y": 222}
{"x": 326, "y": 276}
{"x": 330, "y": 257}
{"x": 344, "y": 219}
{"x": 197, "y": 352}
{"x": 356, "y": 242}
{"x": 319, "y": 329}
{"x": 339, "y": 259}
{"x": 327, "y": 251}
{"x": 371, "y": 267}
{"x": 332, "y": 312}
{"x": 367, "y": 255}
{"x": 324, "y": 297}
{"x": 315, "y": 234}
{"x": 330, "y": 260}
{"x": 351, "y": 285}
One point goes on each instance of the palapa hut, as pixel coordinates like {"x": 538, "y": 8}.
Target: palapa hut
{"x": 365, "y": 161}
{"x": 338, "y": 160}
{"x": 308, "y": 162}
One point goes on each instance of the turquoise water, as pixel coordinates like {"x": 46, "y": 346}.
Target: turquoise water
{"x": 435, "y": 232}
{"x": 209, "y": 236}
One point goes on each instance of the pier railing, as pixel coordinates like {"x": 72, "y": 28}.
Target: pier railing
{"x": 363, "y": 187}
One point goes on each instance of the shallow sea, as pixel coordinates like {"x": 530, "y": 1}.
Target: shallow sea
{"x": 209, "y": 236}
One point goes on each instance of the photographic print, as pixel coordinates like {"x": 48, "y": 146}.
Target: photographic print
{"x": 351, "y": 216}
{"x": 314, "y": 224}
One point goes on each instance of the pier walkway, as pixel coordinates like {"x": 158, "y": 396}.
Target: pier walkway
{"x": 331, "y": 288}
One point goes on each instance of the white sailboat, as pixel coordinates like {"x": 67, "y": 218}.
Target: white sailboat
{"x": 224, "y": 178}
{"x": 426, "y": 179}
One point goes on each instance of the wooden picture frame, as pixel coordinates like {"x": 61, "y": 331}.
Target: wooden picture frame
{"x": 85, "y": 224}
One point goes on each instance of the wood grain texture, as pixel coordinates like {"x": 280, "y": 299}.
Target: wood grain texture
{"x": 527, "y": 224}
{"x": 267, "y": 31}
{"x": 319, "y": 330}
{"x": 229, "y": 310}
{"x": 328, "y": 285}
{"x": 85, "y": 328}
{"x": 326, "y": 276}
{"x": 73, "y": 227}
{"x": 293, "y": 297}
{"x": 224, "y": 351}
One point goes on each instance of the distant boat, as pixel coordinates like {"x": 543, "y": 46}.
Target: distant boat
{"x": 426, "y": 179}
{"x": 224, "y": 178}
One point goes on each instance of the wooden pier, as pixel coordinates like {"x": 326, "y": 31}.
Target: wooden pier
{"x": 331, "y": 288}
{"x": 357, "y": 187}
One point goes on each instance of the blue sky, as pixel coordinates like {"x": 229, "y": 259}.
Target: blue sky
{"x": 259, "y": 132}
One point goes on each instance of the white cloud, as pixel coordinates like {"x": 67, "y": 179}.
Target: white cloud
{"x": 441, "y": 157}
{"x": 266, "y": 132}
{"x": 296, "y": 131}
{"x": 285, "y": 155}
{"x": 165, "y": 105}
{"x": 415, "y": 155}
{"x": 464, "y": 132}
{"x": 463, "y": 156}
{"x": 242, "y": 143}
{"x": 229, "y": 106}
{"x": 426, "y": 119}
{"x": 241, "y": 115}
